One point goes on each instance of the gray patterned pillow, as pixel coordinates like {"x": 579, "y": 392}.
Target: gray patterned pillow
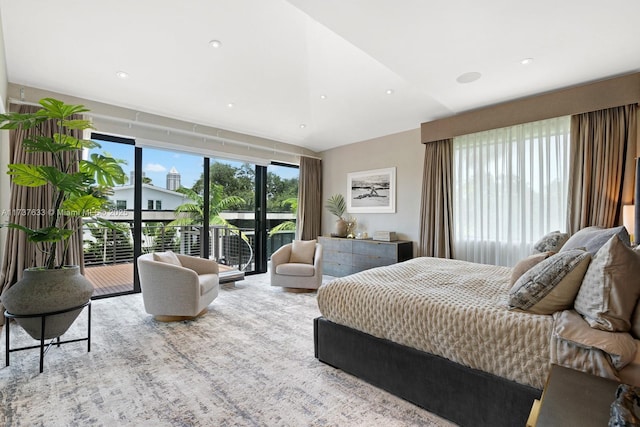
{"x": 611, "y": 287}
{"x": 593, "y": 238}
{"x": 552, "y": 284}
{"x": 551, "y": 242}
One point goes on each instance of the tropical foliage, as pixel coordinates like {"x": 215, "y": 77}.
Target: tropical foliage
{"x": 79, "y": 186}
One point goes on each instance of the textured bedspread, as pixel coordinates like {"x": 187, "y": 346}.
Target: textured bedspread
{"x": 454, "y": 309}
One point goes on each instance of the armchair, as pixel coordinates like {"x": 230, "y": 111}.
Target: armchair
{"x": 297, "y": 265}
{"x": 177, "y": 287}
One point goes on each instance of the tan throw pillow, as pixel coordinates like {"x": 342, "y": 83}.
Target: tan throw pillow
{"x": 302, "y": 251}
{"x": 526, "y": 264}
{"x": 551, "y": 242}
{"x": 611, "y": 287}
{"x": 552, "y": 284}
{"x": 168, "y": 257}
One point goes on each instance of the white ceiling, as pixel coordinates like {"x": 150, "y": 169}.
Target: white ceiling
{"x": 278, "y": 57}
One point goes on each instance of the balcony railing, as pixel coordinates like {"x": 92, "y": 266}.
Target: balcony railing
{"x": 233, "y": 247}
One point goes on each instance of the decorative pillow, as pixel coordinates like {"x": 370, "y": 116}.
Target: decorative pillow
{"x": 569, "y": 326}
{"x": 169, "y": 257}
{"x": 525, "y": 265}
{"x": 610, "y": 289}
{"x": 551, "y": 242}
{"x": 552, "y": 284}
{"x": 302, "y": 251}
{"x": 593, "y": 238}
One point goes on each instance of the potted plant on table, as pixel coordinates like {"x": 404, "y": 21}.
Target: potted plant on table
{"x": 337, "y": 206}
{"x": 78, "y": 189}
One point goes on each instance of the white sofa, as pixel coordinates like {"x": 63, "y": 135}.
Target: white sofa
{"x": 175, "y": 286}
{"x": 291, "y": 271}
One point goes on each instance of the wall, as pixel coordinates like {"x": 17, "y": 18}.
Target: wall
{"x": 402, "y": 150}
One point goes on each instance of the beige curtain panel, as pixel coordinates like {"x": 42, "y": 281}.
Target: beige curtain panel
{"x": 601, "y": 142}
{"x": 309, "y": 219}
{"x": 20, "y": 254}
{"x": 436, "y": 208}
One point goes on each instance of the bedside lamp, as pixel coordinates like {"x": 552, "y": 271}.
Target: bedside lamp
{"x": 628, "y": 220}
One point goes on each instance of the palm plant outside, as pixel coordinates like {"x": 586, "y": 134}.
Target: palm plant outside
{"x": 287, "y": 225}
{"x": 194, "y": 211}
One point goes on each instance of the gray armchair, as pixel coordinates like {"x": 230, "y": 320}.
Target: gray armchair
{"x": 175, "y": 286}
{"x": 287, "y": 271}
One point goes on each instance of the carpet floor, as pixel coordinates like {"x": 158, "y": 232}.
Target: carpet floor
{"x": 247, "y": 362}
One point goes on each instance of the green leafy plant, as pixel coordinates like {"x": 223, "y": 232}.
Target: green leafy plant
{"x": 79, "y": 186}
{"x": 336, "y": 205}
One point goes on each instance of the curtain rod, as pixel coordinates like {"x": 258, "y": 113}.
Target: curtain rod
{"x": 169, "y": 130}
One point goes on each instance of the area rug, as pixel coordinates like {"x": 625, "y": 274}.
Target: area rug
{"x": 247, "y": 362}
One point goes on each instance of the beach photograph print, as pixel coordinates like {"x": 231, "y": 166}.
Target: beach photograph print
{"x": 372, "y": 191}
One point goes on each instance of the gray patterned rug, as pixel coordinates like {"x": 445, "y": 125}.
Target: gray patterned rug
{"x": 247, "y": 362}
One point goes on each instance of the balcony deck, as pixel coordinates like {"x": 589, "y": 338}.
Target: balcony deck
{"x": 116, "y": 278}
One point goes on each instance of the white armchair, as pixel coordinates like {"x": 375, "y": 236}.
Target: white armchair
{"x": 297, "y": 265}
{"x": 175, "y": 286}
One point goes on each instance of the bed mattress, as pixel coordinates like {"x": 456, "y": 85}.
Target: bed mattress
{"x": 450, "y": 308}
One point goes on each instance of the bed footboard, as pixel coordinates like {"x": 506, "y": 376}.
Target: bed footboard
{"x": 463, "y": 395}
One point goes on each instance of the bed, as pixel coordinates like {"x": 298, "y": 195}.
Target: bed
{"x": 440, "y": 334}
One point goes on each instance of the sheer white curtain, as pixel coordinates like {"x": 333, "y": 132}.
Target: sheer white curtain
{"x": 510, "y": 188}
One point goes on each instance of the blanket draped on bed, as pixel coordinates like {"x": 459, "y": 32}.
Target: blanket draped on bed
{"x": 454, "y": 309}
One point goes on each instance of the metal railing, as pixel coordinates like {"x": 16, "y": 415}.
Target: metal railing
{"x": 231, "y": 246}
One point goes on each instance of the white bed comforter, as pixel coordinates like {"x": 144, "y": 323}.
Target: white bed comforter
{"x": 454, "y": 309}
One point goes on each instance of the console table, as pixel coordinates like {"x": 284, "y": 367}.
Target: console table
{"x": 342, "y": 256}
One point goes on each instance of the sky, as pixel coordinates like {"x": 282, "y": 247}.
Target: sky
{"x": 158, "y": 162}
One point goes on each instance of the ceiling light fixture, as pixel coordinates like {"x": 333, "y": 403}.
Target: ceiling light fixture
{"x": 231, "y": 105}
{"x": 122, "y": 74}
{"x": 215, "y": 43}
{"x": 323, "y": 96}
{"x": 468, "y": 77}
{"x": 526, "y": 61}
{"x": 389, "y": 92}
{"x": 302, "y": 126}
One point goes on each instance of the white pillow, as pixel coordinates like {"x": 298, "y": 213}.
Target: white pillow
{"x": 167, "y": 257}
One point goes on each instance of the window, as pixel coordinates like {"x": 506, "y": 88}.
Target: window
{"x": 150, "y": 205}
{"x": 510, "y": 188}
{"x": 121, "y": 205}
{"x": 158, "y": 205}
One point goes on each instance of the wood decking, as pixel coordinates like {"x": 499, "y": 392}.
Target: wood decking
{"x": 116, "y": 278}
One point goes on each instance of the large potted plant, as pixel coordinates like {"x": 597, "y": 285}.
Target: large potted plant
{"x": 79, "y": 189}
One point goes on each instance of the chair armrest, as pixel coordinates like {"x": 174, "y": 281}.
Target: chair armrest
{"x": 199, "y": 265}
{"x": 281, "y": 256}
{"x": 155, "y": 274}
{"x": 317, "y": 258}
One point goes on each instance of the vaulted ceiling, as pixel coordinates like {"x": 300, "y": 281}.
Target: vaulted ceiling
{"x": 318, "y": 74}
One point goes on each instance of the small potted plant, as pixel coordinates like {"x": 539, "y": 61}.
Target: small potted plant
{"x": 337, "y": 206}
{"x": 78, "y": 190}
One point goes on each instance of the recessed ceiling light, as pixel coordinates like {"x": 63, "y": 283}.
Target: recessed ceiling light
{"x": 526, "y": 61}
{"x": 302, "y": 126}
{"x": 215, "y": 43}
{"x": 468, "y": 77}
{"x": 231, "y": 105}
{"x": 323, "y": 96}
{"x": 389, "y": 92}
{"x": 122, "y": 74}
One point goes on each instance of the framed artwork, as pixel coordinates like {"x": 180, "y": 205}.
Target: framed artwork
{"x": 372, "y": 191}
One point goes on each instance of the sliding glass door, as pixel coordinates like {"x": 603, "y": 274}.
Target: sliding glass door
{"x": 234, "y": 212}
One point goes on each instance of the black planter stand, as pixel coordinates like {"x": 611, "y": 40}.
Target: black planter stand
{"x": 56, "y": 341}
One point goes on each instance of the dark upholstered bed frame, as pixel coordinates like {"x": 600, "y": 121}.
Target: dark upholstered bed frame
{"x": 463, "y": 395}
